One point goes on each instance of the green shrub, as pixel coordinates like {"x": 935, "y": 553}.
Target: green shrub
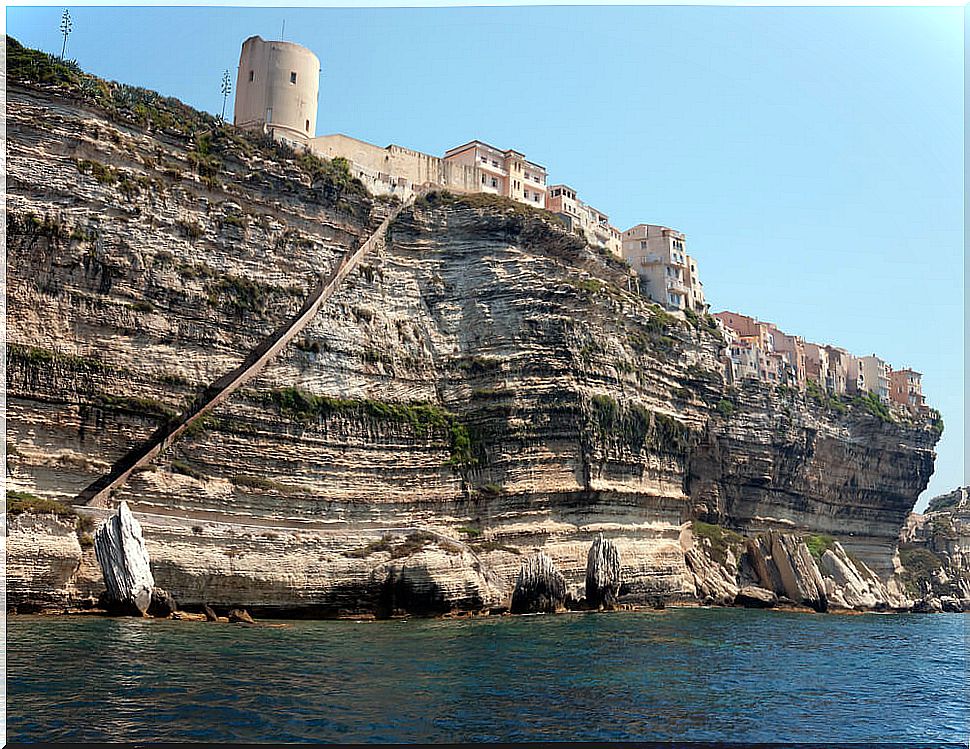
{"x": 469, "y": 531}
{"x": 871, "y": 403}
{"x": 725, "y": 407}
{"x": 414, "y": 543}
{"x": 719, "y": 540}
{"x": 423, "y": 418}
{"x": 441, "y": 198}
{"x": 180, "y": 466}
{"x": 19, "y": 502}
{"x": 147, "y": 406}
{"x": 818, "y": 544}
{"x": 373, "y": 547}
{"x": 919, "y": 564}
{"x": 39, "y": 357}
{"x": 638, "y": 427}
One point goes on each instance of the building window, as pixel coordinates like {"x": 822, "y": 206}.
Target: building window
{"x": 252, "y": 75}
{"x": 494, "y": 182}
{"x": 293, "y": 78}
{"x": 525, "y": 194}
{"x": 483, "y": 179}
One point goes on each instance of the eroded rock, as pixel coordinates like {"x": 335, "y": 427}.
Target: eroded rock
{"x": 162, "y": 604}
{"x": 755, "y": 597}
{"x": 240, "y": 615}
{"x": 125, "y": 567}
{"x": 603, "y": 574}
{"x": 539, "y": 587}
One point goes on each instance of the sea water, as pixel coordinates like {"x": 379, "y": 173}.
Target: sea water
{"x": 685, "y": 674}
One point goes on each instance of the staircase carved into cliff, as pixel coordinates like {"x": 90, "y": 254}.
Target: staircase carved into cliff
{"x": 98, "y": 493}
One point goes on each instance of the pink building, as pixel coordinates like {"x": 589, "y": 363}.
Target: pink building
{"x": 506, "y": 173}
{"x": 906, "y": 389}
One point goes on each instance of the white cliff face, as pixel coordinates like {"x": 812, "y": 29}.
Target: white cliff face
{"x": 125, "y": 566}
{"x": 485, "y": 379}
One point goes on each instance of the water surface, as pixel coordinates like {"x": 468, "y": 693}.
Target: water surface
{"x": 687, "y": 674}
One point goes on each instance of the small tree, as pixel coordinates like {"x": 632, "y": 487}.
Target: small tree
{"x": 66, "y": 27}
{"x": 226, "y": 90}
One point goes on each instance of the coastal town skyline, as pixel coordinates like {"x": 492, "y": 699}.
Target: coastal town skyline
{"x": 822, "y": 250}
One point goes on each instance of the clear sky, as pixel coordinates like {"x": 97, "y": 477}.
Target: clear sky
{"x": 813, "y": 156}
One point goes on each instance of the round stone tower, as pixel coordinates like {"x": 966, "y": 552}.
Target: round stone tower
{"x": 277, "y": 89}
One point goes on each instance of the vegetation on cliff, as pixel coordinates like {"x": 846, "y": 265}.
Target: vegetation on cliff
{"x": 637, "y": 427}
{"x": 20, "y": 503}
{"x": 211, "y": 141}
{"x": 424, "y": 419}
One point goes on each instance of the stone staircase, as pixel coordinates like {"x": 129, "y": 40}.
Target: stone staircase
{"x": 98, "y": 493}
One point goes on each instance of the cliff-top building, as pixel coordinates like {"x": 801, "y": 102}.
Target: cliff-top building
{"x": 668, "y": 274}
{"x": 906, "y": 389}
{"x": 277, "y": 90}
{"x": 500, "y": 172}
{"x": 583, "y": 219}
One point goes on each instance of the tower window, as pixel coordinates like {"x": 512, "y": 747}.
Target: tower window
{"x": 308, "y": 125}
{"x": 252, "y": 76}
{"x": 292, "y": 77}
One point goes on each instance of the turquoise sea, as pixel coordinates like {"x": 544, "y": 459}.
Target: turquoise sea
{"x": 686, "y": 674}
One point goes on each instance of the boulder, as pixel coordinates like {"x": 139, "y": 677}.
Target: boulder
{"x": 851, "y": 589}
{"x": 162, "y": 605}
{"x": 928, "y": 605}
{"x": 210, "y": 614}
{"x": 240, "y": 615}
{"x": 755, "y": 597}
{"x": 714, "y": 584}
{"x": 539, "y": 588}
{"x": 951, "y": 604}
{"x": 603, "y": 575}
{"x": 123, "y": 558}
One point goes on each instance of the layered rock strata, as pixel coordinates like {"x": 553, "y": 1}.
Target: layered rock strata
{"x": 484, "y": 387}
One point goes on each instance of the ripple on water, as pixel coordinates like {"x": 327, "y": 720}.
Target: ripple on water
{"x": 690, "y": 674}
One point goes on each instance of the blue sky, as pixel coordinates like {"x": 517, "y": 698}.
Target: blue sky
{"x": 813, "y": 156}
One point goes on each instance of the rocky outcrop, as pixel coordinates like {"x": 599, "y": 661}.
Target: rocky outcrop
{"x": 485, "y": 378}
{"x": 934, "y": 553}
{"x": 755, "y": 597}
{"x": 539, "y": 588}
{"x": 125, "y": 567}
{"x": 604, "y": 576}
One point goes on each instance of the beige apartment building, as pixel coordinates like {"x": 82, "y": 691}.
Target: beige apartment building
{"x": 870, "y": 374}
{"x": 583, "y": 219}
{"x": 277, "y": 90}
{"x": 668, "y": 274}
{"x": 906, "y": 389}
{"x": 500, "y": 172}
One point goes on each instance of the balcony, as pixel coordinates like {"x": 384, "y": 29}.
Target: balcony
{"x": 678, "y": 287}
{"x": 487, "y": 166}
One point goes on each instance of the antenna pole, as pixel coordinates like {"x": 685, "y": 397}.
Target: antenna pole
{"x": 283, "y": 31}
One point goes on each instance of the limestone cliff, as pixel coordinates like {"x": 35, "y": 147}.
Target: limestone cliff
{"x": 484, "y": 387}
{"x": 935, "y": 553}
